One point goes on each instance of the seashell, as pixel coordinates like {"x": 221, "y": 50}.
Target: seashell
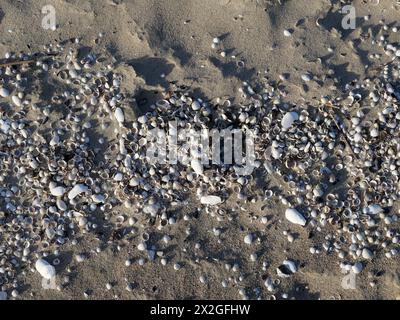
{"x": 295, "y": 217}
{"x": 142, "y": 246}
{"x": 367, "y": 254}
{"x": 17, "y": 101}
{"x": 77, "y": 190}
{"x": 197, "y": 166}
{"x": 4, "y": 92}
{"x": 45, "y": 269}
{"x": 57, "y": 191}
{"x": 98, "y": 198}
{"x": 119, "y": 115}
{"x": 210, "y": 200}
{"x": 287, "y": 269}
{"x": 248, "y": 239}
{"x": 61, "y": 205}
{"x": 288, "y": 119}
{"x": 357, "y": 267}
{"x": 152, "y": 209}
{"x": 374, "y": 209}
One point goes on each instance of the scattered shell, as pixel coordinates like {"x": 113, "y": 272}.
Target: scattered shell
{"x": 288, "y": 120}
{"x": 295, "y": 216}
{"x": 210, "y": 200}
{"x": 287, "y": 269}
{"x": 77, "y": 190}
{"x": 4, "y": 92}
{"x": 119, "y": 115}
{"x": 45, "y": 269}
{"x": 248, "y": 239}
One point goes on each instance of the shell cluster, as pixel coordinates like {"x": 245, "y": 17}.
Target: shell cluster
{"x": 70, "y": 161}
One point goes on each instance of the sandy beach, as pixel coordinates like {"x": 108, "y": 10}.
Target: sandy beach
{"x": 323, "y": 225}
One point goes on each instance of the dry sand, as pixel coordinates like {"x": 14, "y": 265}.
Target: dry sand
{"x": 173, "y": 38}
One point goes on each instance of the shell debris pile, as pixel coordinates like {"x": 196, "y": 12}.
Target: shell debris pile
{"x": 338, "y": 170}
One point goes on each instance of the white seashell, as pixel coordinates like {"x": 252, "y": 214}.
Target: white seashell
{"x": 295, "y": 217}
{"x": 197, "y": 166}
{"x": 4, "y": 92}
{"x": 119, "y": 115}
{"x": 196, "y": 105}
{"x": 287, "y": 33}
{"x": 142, "y": 246}
{"x": 61, "y": 205}
{"x": 152, "y": 209}
{"x": 374, "y": 133}
{"x": 306, "y": 77}
{"x": 17, "y": 101}
{"x": 45, "y": 269}
{"x": 367, "y": 254}
{"x": 4, "y": 126}
{"x": 248, "y": 239}
{"x": 288, "y": 120}
{"x": 357, "y": 267}
{"x": 77, "y": 190}
{"x": 210, "y": 200}
{"x": 98, "y": 198}
{"x": 374, "y": 209}
{"x": 57, "y": 191}
{"x": 287, "y": 268}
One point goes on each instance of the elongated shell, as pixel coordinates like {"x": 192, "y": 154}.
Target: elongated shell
{"x": 119, "y": 115}
{"x": 211, "y": 200}
{"x": 197, "y": 166}
{"x": 295, "y": 217}
{"x": 77, "y": 190}
{"x": 17, "y": 101}
{"x": 45, "y": 269}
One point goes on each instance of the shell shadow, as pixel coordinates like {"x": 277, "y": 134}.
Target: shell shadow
{"x": 151, "y": 70}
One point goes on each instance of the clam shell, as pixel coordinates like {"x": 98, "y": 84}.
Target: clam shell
{"x": 57, "y": 191}
{"x": 119, "y": 115}
{"x": 210, "y": 200}
{"x": 45, "y": 269}
{"x": 77, "y": 190}
{"x": 4, "y": 92}
{"x": 288, "y": 119}
{"x": 295, "y": 217}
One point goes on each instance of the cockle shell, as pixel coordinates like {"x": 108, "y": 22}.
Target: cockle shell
{"x": 295, "y": 217}
{"x": 45, "y": 269}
